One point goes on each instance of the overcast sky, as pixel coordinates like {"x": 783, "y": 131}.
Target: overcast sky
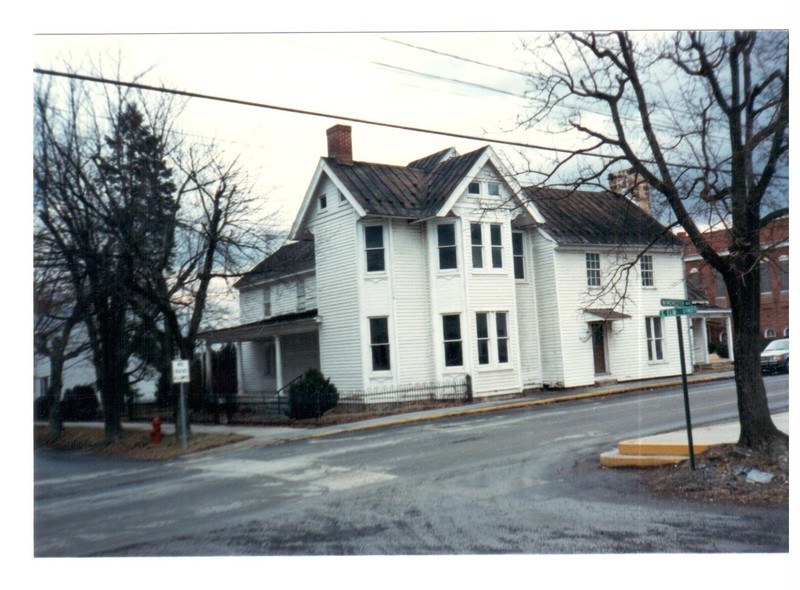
{"x": 465, "y": 83}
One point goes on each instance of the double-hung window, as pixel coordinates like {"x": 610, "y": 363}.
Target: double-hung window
{"x": 373, "y": 243}
{"x": 379, "y": 343}
{"x": 655, "y": 339}
{"x": 267, "y": 299}
{"x": 496, "y": 236}
{"x": 446, "y": 237}
{"x": 593, "y": 269}
{"x": 485, "y": 336}
{"x": 519, "y": 255}
{"x": 646, "y": 267}
{"x": 451, "y": 331}
{"x": 477, "y": 245}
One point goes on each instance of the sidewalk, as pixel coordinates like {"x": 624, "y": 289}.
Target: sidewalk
{"x": 267, "y": 435}
{"x": 660, "y": 449}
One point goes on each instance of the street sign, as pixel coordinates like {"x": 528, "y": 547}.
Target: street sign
{"x": 676, "y": 311}
{"x": 180, "y": 371}
{"x": 676, "y": 302}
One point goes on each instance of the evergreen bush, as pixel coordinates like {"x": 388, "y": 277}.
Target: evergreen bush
{"x": 311, "y": 396}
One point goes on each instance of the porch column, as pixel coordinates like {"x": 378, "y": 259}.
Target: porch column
{"x": 729, "y": 337}
{"x": 239, "y": 369}
{"x": 278, "y": 365}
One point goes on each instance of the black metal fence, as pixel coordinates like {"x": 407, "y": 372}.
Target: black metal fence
{"x": 269, "y": 408}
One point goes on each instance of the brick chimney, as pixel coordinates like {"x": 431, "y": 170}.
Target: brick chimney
{"x": 340, "y": 144}
{"x": 631, "y": 185}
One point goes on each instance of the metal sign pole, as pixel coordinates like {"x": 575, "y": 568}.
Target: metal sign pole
{"x": 685, "y": 393}
{"x": 182, "y": 417}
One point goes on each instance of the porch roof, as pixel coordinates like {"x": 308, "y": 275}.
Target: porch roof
{"x": 607, "y": 314}
{"x": 290, "y": 323}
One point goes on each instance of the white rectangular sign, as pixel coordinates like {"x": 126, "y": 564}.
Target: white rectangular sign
{"x": 180, "y": 371}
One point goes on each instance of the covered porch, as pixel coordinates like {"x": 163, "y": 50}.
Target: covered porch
{"x": 270, "y": 353}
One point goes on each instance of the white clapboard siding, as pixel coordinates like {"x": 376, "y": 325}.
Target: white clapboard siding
{"x": 410, "y": 299}
{"x": 527, "y": 321}
{"x": 337, "y": 285}
{"x": 548, "y": 311}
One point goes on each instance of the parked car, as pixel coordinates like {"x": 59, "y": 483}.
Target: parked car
{"x": 775, "y": 356}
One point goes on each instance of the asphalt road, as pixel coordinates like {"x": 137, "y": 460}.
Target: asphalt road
{"x": 515, "y": 482}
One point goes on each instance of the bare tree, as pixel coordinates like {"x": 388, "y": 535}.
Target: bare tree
{"x": 702, "y": 118}
{"x": 144, "y": 223}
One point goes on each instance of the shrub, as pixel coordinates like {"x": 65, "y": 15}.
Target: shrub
{"x": 80, "y": 403}
{"x": 311, "y": 396}
{"x": 41, "y": 408}
{"x": 722, "y": 350}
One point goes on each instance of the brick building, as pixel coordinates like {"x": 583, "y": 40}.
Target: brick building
{"x": 708, "y": 288}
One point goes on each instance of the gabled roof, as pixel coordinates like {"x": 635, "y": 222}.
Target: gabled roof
{"x": 292, "y": 258}
{"x": 597, "y": 218}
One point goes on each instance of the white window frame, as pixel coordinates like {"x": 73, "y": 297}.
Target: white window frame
{"x": 476, "y": 247}
{"x": 496, "y": 248}
{"x": 647, "y": 271}
{"x": 440, "y": 247}
{"x": 490, "y": 344}
{"x": 453, "y": 341}
{"x": 518, "y": 256}
{"x": 655, "y": 342}
{"x": 493, "y": 188}
{"x": 266, "y": 297}
{"x": 593, "y": 276}
{"x": 474, "y": 185}
{"x": 769, "y": 333}
{"x": 322, "y": 200}
{"x": 373, "y": 344}
{"x": 381, "y": 248}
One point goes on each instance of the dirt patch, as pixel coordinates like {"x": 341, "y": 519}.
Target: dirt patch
{"x": 133, "y": 444}
{"x": 725, "y": 474}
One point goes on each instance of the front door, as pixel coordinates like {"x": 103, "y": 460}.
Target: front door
{"x": 599, "y": 348}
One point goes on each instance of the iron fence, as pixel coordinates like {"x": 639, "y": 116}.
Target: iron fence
{"x": 272, "y": 408}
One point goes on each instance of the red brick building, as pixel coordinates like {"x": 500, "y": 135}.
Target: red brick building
{"x": 707, "y": 286}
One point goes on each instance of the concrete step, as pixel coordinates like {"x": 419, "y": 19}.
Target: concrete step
{"x": 645, "y": 447}
{"x": 616, "y": 459}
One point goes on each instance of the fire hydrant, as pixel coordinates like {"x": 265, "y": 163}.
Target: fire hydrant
{"x": 155, "y": 432}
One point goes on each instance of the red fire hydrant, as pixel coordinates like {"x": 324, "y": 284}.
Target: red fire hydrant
{"x": 155, "y": 432}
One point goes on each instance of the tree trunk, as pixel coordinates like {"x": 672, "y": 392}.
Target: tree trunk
{"x": 54, "y": 392}
{"x": 758, "y": 431}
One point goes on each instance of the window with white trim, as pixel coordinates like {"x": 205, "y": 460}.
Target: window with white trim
{"x": 474, "y": 188}
{"x": 783, "y": 272}
{"x": 476, "y": 238}
{"x": 496, "y": 238}
{"x": 646, "y": 269}
{"x": 379, "y": 343}
{"x": 518, "y": 252}
{"x": 446, "y": 240}
{"x": 769, "y": 333}
{"x": 451, "y": 332}
{"x": 373, "y": 245}
{"x": 593, "y": 269}
{"x": 323, "y": 201}
{"x": 493, "y": 188}
{"x": 655, "y": 339}
{"x": 492, "y": 326}
{"x": 267, "y": 300}
{"x": 764, "y": 277}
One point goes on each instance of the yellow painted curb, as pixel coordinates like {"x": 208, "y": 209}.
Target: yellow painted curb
{"x": 614, "y": 459}
{"x": 634, "y": 447}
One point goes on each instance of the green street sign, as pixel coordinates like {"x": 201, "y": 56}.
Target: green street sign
{"x": 676, "y": 303}
{"x": 690, "y": 310}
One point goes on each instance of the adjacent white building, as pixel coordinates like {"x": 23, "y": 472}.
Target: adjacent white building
{"x": 446, "y": 267}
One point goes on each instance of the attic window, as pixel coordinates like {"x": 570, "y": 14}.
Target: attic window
{"x": 494, "y": 189}
{"x": 323, "y": 201}
{"x": 474, "y": 188}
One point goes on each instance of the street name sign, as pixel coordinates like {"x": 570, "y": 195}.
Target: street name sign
{"x": 180, "y": 371}
{"x": 676, "y": 303}
{"x": 676, "y": 311}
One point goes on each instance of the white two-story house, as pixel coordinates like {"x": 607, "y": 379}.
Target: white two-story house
{"x": 446, "y": 267}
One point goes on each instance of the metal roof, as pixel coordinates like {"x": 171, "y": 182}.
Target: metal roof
{"x": 583, "y": 218}
{"x": 289, "y": 259}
